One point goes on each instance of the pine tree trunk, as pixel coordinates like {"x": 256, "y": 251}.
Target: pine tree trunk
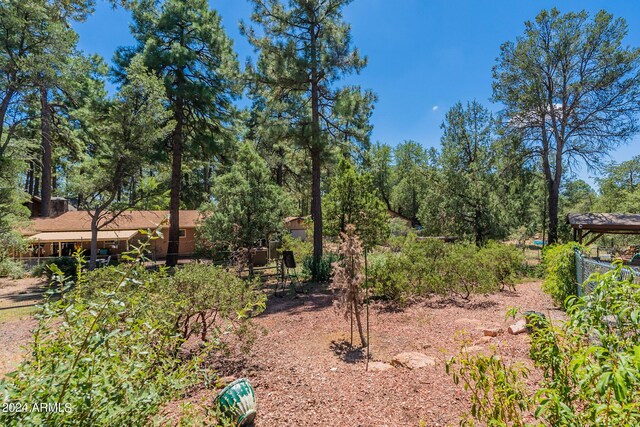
{"x": 280, "y": 174}
{"x": 93, "y": 258}
{"x": 316, "y": 151}
{"x": 478, "y": 227}
{"x": 316, "y": 208}
{"x": 554, "y": 193}
{"x": 176, "y": 177}
{"x": 45, "y": 128}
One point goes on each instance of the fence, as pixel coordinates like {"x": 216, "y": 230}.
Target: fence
{"x": 586, "y": 266}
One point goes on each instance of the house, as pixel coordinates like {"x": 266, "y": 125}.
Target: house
{"x": 61, "y": 235}
{"x": 297, "y": 226}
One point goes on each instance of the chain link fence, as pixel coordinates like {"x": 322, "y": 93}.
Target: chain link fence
{"x": 585, "y": 267}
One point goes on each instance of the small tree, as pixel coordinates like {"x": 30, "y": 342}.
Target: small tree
{"x": 122, "y": 136}
{"x": 352, "y": 199}
{"x": 348, "y": 279}
{"x": 305, "y": 49}
{"x": 248, "y": 206}
{"x": 183, "y": 42}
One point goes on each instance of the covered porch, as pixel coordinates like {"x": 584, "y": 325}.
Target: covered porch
{"x": 65, "y": 243}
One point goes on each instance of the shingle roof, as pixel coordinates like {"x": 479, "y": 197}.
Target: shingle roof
{"x": 604, "y": 221}
{"x": 130, "y": 220}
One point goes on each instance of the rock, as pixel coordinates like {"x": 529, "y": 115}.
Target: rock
{"x": 519, "y": 327}
{"x": 492, "y": 332}
{"x": 413, "y": 360}
{"x": 473, "y": 348}
{"x": 379, "y": 366}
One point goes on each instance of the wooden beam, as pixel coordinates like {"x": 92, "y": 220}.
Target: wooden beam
{"x": 594, "y": 239}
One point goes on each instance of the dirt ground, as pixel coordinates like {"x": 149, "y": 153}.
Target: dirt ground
{"x": 16, "y": 319}
{"x": 305, "y": 374}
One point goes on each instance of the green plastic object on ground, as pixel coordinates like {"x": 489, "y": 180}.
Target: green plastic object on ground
{"x": 238, "y": 401}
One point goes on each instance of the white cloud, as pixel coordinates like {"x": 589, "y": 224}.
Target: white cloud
{"x": 434, "y": 108}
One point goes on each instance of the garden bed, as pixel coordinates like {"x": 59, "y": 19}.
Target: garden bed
{"x": 304, "y": 373}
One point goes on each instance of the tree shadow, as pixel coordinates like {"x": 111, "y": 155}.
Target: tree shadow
{"x": 348, "y": 353}
{"x": 390, "y": 306}
{"x": 469, "y": 304}
{"x": 316, "y": 297}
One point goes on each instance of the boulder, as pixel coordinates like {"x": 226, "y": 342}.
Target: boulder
{"x": 519, "y": 327}
{"x": 413, "y": 360}
{"x": 491, "y": 332}
{"x": 379, "y": 366}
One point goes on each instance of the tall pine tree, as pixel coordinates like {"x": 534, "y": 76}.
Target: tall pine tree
{"x": 305, "y": 48}
{"x": 183, "y": 42}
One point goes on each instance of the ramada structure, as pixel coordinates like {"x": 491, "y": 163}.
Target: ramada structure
{"x": 61, "y": 235}
{"x": 589, "y": 227}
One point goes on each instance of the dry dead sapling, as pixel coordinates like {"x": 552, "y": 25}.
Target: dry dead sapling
{"x": 348, "y": 280}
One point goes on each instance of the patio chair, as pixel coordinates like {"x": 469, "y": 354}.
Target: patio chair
{"x": 103, "y": 262}
{"x": 288, "y": 271}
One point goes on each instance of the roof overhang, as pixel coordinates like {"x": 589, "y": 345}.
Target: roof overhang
{"x": 80, "y": 236}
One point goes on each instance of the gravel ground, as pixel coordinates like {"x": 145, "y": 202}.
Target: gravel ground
{"x": 17, "y": 298}
{"x": 15, "y": 335}
{"x": 305, "y": 374}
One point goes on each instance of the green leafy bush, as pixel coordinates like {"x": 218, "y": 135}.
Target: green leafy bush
{"x": 301, "y": 248}
{"x": 429, "y": 266}
{"x": 499, "y": 395}
{"x": 112, "y": 349}
{"x": 386, "y": 278}
{"x": 322, "y": 271}
{"x": 590, "y": 365}
{"x": 560, "y": 272}
{"x": 66, "y": 265}
{"x": 11, "y": 268}
{"x": 505, "y": 262}
{"x": 213, "y": 302}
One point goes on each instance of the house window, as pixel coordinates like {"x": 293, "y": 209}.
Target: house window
{"x": 183, "y": 233}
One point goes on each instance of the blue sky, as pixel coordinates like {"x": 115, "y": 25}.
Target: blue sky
{"x": 424, "y": 55}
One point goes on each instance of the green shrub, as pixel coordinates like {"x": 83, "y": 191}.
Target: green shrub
{"x": 590, "y": 366}
{"x": 533, "y": 271}
{"x": 211, "y": 299}
{"x": 321, "y": 272}
{"x": 386, "y": 278}
{"x": 505, "y": 262}
{"x": 112, "y": 348}
{"x": 11, "y": 268}
{"x": 464, "y": 274}
{"x": 429, "y": 266}
{"x": 67, "y": 265}
{"x": 498, "y": 390}
{"x": 301, "y": 248}
{"x": 560, "y": 272}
